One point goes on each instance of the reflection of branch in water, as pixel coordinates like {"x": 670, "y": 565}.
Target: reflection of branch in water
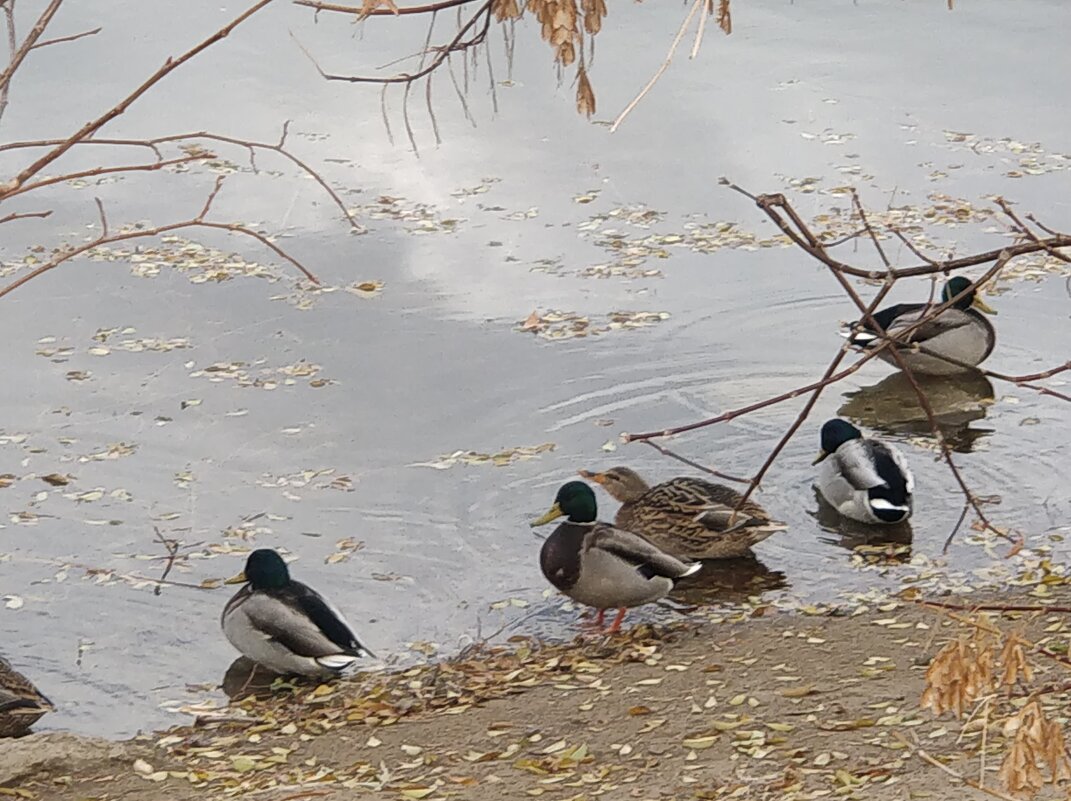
{"x": 172, "y": 547}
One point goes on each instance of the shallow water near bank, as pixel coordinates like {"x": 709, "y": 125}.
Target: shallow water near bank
{"x": 230, "y": 414}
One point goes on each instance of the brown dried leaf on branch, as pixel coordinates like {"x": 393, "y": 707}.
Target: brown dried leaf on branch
{"x": 594, "y": 11}
{"x": 725, "y": 17}
{"x": 1013, "y": 658}
{"x": 505, "y": 9}
{"x": 960, "y": 674}
{"x": 1038, "y": 740}
{"x": 585, "y": 96}
{"x": 559, "y": 19}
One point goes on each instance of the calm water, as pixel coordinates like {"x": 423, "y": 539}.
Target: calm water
{"x": 432, "y": 364}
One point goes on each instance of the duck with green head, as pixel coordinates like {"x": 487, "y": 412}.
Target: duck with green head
{"x": 601, "y": 566}
{"x": 959, "y": 333}
{"x": 286, "y": 626}
{"x": 863, "y": 478}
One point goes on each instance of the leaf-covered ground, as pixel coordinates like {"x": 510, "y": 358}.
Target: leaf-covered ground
{"x": 786, "y": 706}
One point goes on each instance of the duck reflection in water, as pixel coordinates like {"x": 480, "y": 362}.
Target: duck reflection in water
{"x": 245, "y": 678}
{"x": 728, "y": 581}
{"x": 875, "y": 544}
{"x": 892, "y": 407}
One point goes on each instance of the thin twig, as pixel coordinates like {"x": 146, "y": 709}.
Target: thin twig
{"x": 662, "y": 67}
{"x": 685, "y": 460}
{"x": 22, "y": 215}
{"x": 172, "y": 547}
{"x": 397, "y": 11}
{"x": 91, "y": 127}
{"x": 250, "y": 145}
{"x": 73, "y": 37}
{"x": 195, "y": 222}
{"x": 925, "y": 757}
{"x": 103, "y": 217}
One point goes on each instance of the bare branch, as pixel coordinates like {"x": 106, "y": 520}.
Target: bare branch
{"x": 696, "y": 4}
{"x": 24, "y": 215}
{"x": 250, "y": 145}
{"x": 91, "y": 127}
{"x": 103, "y": 217}
{"x": 683, "y": 459}
{"x": 194, "y": 222}
{"x": 396, "y": 11}
{"x": 73, "y": 37}
{"x": 27, "y": 44}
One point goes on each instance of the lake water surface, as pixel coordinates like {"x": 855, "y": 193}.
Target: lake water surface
{"x": 239, "y": 413}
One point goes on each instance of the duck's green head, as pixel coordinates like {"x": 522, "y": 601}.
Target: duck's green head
{"x": 264, "y": 569}
{"x": 959, "y": 284}
{"x": 575, "y": 500}
{"x": 834, "y": 434}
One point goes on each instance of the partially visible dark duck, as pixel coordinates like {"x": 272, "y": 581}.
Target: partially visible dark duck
{"x": 21, "y": 704}
{"x": 959, "y": 332}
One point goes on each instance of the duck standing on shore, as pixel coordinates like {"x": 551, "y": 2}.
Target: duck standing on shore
{"x": 285, "y": 625}
{"x": 687, "y": 517}
{"x": 21, "y": 704}
{"x": 959, "y": 332}
{"x": 863, "y": 478}
{"x": 601, "y": 566}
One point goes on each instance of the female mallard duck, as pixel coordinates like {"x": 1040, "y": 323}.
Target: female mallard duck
{"x": 959, "y": 332}
{"x": 864, "y": 479}
{"x": 21, "y": 705}
{"x": 601, "y": 566}
{"x": 286, "y": 626}
{"x": 686, "y": 517}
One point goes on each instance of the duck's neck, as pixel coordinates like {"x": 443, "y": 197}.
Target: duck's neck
{"x": 586, "y": 523}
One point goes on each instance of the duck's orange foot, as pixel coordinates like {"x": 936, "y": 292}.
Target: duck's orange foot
{"x": 597, "y": 623}
{"x": 616, "y": 625}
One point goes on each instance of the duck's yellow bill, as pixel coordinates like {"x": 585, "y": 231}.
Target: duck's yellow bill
{"x": 821, "y": 455}
{"x": 554, "y": 513}
{"x": 239, "y": 579}
{"x": 598, "y": 478}
{"x": 982, "y": 306}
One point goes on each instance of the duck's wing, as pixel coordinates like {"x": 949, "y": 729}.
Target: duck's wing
{"x": 855, "y": 461}
{"x": 303, "y": 622}
{"x": 17, "y": 704}
{"x": 888, "y": 318}
{"x": 892, "y": 466}
{"x": 688, "y": 496}
{"x": 18, "y": 695}
{"x": 637, "y": 551}
{"x": 948, "y": 320}
{"x": 711, "y": 505}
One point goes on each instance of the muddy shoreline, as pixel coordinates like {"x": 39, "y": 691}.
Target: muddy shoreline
{"x": 786, "y": 705}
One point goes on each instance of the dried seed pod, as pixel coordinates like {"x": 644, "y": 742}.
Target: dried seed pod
{"x": 585, "y": 95}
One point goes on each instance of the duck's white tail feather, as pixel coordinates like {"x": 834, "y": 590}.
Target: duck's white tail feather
{"x": 881, "y": 503}
{"x": 337, "y": 662}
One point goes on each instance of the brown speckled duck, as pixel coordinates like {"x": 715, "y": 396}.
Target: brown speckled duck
{"x": 21, "y": 705}
{"x": 686, "y": 517}
{"x": 601, "y": 566}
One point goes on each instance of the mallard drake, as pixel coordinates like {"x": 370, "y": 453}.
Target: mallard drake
{"x": 601, "y": 566}
{"x": 959, "y": 332}
{"x": 21, "y": 705}
{"x": 285, "y": 625}
{"x": 686, "y": 517}
{"x": 862, "y": 478}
